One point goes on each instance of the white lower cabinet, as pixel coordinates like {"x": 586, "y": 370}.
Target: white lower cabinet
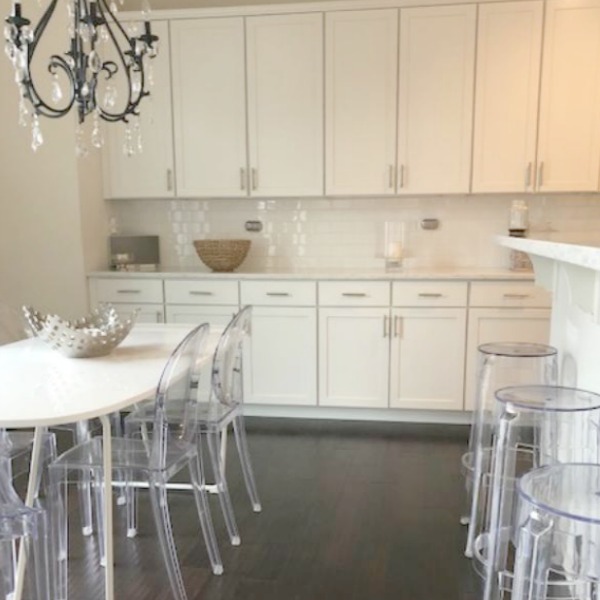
{"x": 280, "y": 364}
{"x": 354, "y": 357}
{"x": 427, "y": 358}
{"x": 216, "y": 316}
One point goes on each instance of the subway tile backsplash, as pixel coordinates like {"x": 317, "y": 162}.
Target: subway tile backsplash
{"x": 347, "y": 233}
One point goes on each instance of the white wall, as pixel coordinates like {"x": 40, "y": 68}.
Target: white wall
{"x": 42, "y": 260}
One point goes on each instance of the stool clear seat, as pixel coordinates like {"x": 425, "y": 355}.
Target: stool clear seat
{"x": 500, "y": 364}
{"x": 556, "y": 533}
{"x": 555, "y": 425}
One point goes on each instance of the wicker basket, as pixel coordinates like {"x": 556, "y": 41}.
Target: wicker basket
{"x": 222, "y": 255}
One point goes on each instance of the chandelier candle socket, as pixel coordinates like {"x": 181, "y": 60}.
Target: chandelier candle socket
{"x": 95, "y": 37}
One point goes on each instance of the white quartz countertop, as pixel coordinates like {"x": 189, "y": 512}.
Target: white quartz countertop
{"x": 473, "y": 273}
{"x": 580, "y": 251}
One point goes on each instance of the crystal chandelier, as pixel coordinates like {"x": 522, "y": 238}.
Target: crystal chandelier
{"x": 100, "y": 51}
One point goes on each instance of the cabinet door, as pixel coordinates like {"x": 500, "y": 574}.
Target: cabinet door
{"x": 509, "y": 47}
{"x": 361, "y": 57}
{"x": 285, "y": 104}
{"x": 437, "y": 62}
{"x": 501, "y": 325}
{"x": 147, "y": 313}
{"x": 149, "y": 173}
{"x": 280, "y": 363}
{"x": 354, "y": 357}
{"x": 569, "y": 136}
{"x": 427, "y": 358}
{"x": 209, "y": 106}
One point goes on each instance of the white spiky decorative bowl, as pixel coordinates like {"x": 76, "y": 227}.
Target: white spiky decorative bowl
{"x": 97, "y": 334}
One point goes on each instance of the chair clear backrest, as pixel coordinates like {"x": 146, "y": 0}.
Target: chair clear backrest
{"x": 226, "y": 381}
{"x": 175, "y": 385}
{"x": 8, "y": 496}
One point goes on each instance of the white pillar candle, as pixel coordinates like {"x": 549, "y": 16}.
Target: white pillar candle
{"x": 394, "y": 250}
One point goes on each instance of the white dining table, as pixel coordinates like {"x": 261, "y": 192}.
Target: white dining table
{"x": 40, "y": 388}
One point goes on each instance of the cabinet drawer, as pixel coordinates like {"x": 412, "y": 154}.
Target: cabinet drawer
{"x": 429, "y": 293}
{"x": 508, "y": 293}
{"x": 354, "y": 293}
{"x": 138, "y": 291}
{"x": 279, "y": 293}
{"x": 201, "y": 291}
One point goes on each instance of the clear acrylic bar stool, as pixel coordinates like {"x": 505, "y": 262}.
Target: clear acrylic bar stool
{"x": 555, "y": 425}
{"x": 557, "y": 533}
{"x": 501, "y": 364}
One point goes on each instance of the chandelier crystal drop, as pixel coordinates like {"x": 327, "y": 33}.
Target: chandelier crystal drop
{"x": 100, "y": 53}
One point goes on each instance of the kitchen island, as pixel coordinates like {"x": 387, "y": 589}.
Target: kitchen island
{"x": 571, "y": 272}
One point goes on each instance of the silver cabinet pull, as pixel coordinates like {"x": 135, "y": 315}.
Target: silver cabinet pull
{"x": 540, "y": 175}
{"x": 354, "y": 294}
{"x": 516, "y": 296}
{"x": 528, "y": 175}
{"x": 429, "y": 295}
{"x": 242, "y": 179}
{"x": 169, "y": 180}
{"x": 386, "y": 322}
{"x": 397, "y": 326}
{"x": 278, "y": 294}
{"x": 401, "y": 176}
{"x": 128, "y": 292}
{"x": 391, "y": 177}
{"x": 254, "y": 178}
{"x": 200, "y": 293}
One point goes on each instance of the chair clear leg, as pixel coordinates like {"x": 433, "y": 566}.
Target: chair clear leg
{"x": 8, "y": 566}
{"x": 160, "y": 509}
{"x": 99, "y": 491}
{"x": 131, "y": 496}
{"x": 59, "y": 532}
{"x": 213, "y": 442}
{"x": 117, "y": 431}
{"x": 242, "y": 444}
{"x": 41, "y": 562}
{"x": 204, "y": 515}
{"x": 81, "y": 434}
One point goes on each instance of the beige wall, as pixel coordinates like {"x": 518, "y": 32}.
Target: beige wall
{"x": 49, "y": 233}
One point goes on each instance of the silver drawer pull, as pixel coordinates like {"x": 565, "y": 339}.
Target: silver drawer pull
{"x": 516, "y": 296}
{"x": 200, "y": 293}
{"x": 429, "y": 295}
{"x": 354, "y": 294}
{"x": 278, "y": 294}
{"x": 128, "y": 291}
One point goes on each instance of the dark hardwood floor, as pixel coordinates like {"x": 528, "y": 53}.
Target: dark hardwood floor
{"x": 351, "y": 511}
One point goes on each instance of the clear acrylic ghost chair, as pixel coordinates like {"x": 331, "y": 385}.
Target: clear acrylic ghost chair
{"x": 23, "y": 531}
{"x": 500, "y": 364}
{"x": 557, "y": 425}
{"x": 557, "y": 534}
{"x": 170, "y": 448}
{"x": 224, "y": 407}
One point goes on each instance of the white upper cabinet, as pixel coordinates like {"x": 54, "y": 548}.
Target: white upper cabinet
{"x": 209, "y": 107}
{"x": 146, "y": 174}
{"x": 569, "y": 135}
{"x": 285, "y": 104}
{"x": 437, "y": 62}
{"x": 361, "y": 58}
{"x": 509, "y": 49}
